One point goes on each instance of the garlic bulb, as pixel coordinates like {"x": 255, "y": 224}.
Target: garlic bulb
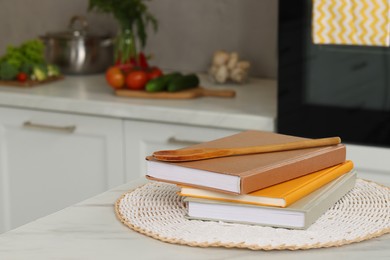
{"x": 238, "y": 75}
{"x": 220, "y": 58}
{"x": 233, "y": 60}
{"x": 222, "y": 74}
{"x": 228, "y": 66}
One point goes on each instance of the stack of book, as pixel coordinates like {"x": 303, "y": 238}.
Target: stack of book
{"x": 290, "y": 189}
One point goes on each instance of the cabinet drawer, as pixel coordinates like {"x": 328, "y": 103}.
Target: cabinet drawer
{"x": 371, "y": 162}
{"x": 49, "y": 161}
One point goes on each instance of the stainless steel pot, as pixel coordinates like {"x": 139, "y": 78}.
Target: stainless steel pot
{"x": 77, "y": 51}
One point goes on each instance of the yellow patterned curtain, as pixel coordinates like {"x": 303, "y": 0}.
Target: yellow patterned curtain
{"x": 351, "y": 22}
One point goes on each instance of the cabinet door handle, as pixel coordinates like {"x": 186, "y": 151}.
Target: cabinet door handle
{"x": 175, "y": 141}
{"x": 66, "y": 129}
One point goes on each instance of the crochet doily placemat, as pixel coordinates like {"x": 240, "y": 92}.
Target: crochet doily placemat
{"x": 157, "y": 211}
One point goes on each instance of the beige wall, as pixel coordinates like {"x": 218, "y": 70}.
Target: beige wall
{"x": 190, "y": 30}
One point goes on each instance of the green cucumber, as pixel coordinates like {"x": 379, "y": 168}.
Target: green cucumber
{"x": 183, "y": 82}
{"x": 161, "y": 83}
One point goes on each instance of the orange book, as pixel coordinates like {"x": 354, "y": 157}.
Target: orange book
{"x": 279, "y": 195}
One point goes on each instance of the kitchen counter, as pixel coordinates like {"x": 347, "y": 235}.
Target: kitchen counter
{"x": 90, "y": 230}
{"x": 69, "y": 132}
{"x": 254, "y": 106}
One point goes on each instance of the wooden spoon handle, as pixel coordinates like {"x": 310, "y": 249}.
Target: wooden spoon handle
{"x": 207, "y": 153}
{"x": 287, "y": 146}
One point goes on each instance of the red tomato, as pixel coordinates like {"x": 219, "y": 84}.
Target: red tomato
{"x": 125, "y": 68}
{"x": 22, "y": 77}
{"x": 154, "y": 72}
{"x": 115, "y": 77}
{"x": 137, "y": 79}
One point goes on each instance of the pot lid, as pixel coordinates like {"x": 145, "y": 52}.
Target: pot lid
{"x": 77, "y": 28}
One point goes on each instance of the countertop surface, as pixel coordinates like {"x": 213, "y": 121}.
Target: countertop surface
{"x": 90, "y": 230}
{"x": 254, "y": 106}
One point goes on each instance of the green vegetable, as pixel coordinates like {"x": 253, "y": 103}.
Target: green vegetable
{"x": 161, "y": 83}
{"x": 14, "y": 57}
{"x": 134, "y": 19}
{"x": 39, "y": 72}
{"x": 30, "y": 52}
{"x": 53, "y": 70}
{"x": 8, "y": 71}
{"x": 33, "y": 51}
{"x": 184, "y": 82}
{"x": 22, "y": 59}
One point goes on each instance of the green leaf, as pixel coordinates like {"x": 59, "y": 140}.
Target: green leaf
{"x": 130, "y": 14}
{"x": 8, "y": 71}
{"x": 141, "y": 31}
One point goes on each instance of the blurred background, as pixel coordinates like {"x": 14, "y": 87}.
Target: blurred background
{"x": 189, "y": 31}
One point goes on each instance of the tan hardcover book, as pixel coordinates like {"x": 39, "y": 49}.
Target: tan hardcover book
{"x": 278, "y": 195}
{"x": 246, "y": 173}
{"x": 299, "y": 215}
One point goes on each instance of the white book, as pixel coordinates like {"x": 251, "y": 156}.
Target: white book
{"x": 299, "y": 215}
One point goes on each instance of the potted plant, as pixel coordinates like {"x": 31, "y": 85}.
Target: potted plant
{"x": 134, "y": 19}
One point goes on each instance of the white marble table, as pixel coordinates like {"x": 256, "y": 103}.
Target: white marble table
{"x": 90, "y": 230}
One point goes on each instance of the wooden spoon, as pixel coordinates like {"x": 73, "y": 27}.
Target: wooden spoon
{"x": 207, "y": 153}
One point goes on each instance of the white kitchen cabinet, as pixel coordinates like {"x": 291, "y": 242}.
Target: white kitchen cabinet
{"x": 49, "y": 161}
{"x": 143, "y": 138}
{"x": 371, "y": 163}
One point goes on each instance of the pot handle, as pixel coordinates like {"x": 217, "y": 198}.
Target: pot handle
{"x": 79, "y": 19}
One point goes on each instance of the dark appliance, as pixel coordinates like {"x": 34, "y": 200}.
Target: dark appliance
{"x": 330, "y": 90}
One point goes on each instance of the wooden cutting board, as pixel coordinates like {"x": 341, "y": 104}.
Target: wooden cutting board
{"x": 184, "y": 94}
{"x": 29, "y": 83}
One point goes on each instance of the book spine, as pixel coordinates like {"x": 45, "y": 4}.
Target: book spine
{"x": 320, "y": 181}
{"x": 293, "y": 169}
{"x": 342, "y": 189}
